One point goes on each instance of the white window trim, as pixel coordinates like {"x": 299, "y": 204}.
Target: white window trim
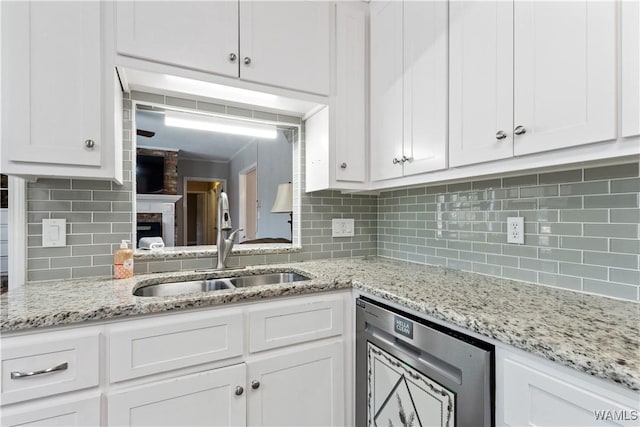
{"x": 17, "y": 230}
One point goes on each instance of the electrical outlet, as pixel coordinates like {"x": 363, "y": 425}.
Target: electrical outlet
{"x": 515, "y": 230}
{"x": 342, "y": 227}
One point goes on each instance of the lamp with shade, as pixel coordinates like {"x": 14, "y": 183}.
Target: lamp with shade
{"x": 284, "y": 202}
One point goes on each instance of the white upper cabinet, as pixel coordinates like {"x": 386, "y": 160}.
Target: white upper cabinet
{"x": 408, "y": 88}
{"x": 565, "y": 74}
{"x": 481, "y": 82}
{"x": 286, "y": 44}
{"x": 350, "y": 97}
{"x": 336, "y": 136}
{"x": 58, "y": 91}
{"x": 425, "y": 81}
{"x": 386, "y": 89}
{"x": 553, "y": 87}
{"x": 200, "y": 35}
{"x": 282, "y": 44}
{"x": 630, "y": 53}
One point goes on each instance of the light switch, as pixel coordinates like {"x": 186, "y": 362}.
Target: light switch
{"x": 54, "y": 232}
{"x": 342, "y": 227}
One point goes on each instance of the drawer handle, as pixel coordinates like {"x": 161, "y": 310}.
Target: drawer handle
{"x": 17, "y": 375}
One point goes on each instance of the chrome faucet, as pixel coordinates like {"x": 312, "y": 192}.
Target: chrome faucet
{"x": 224, "y": 245}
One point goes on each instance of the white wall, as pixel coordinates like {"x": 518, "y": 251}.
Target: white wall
{"x": 275, "y": 166}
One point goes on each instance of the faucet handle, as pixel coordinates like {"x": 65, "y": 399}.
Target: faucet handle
{"x": 232, "y": 235}
{"x": 229, "y": 245}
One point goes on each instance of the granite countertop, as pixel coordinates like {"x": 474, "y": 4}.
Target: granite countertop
{"x": 201, "y": 251}
{"x": 596, "y": 335}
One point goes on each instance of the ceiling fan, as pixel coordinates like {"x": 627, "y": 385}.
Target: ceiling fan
{"x": 148, "y": 133}
{"x": 145, "y": 133}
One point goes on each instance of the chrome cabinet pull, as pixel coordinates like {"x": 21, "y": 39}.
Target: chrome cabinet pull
{"x": 89, "y": 143}
{"x": 239, "y": 391}
{"x": 255, "y": 384}
{"x": 519, "y": 130}
{"x": 500, "y": 135}
{"x": 233, "y": 57}
{"x": 247, "y": 60}
{"x": 404, "y": 159}
{"x": 17, "y": 375}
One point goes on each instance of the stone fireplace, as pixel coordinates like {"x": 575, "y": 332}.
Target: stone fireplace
{"x": 155, "y": 213}
{"x": 152, "y": 208}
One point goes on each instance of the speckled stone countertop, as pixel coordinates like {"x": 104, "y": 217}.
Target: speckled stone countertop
{"x": 201, "y": 251}
{"x": 596, "y": 335}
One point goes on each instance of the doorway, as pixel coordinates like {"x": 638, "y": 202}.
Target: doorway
{"x": 200, "y": 225}
{"x": 248, "y": 205}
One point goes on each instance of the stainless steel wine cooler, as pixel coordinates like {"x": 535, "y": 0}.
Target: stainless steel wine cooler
{"x": 410, "y": 372}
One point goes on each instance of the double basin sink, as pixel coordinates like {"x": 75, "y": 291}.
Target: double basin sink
{"x": 216, "y": 284}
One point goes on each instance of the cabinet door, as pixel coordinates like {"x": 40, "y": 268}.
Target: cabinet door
{"x": 425, "y": 86}
{"x": 191, "y": 34}
{"x": 351, "y": 92}
{"x": 565, "y": 68}
{"x": 51, "y": 84}
{"x": 481, "y": 81}
{"x": 540, "y": 396}
{"x": 297, "y": 387}
{"x": 67, "y": 413}
{"x": 386, "y": 89}
{"x": 205, "y": 399}
{"x": 286, "y": 44}
{"x": 630, "y": 53}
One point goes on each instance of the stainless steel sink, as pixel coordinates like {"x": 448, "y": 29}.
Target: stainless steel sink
{"x": 266, "y": 279}
{"x": 216, "y": 284}
{"x": 179, "y": 288}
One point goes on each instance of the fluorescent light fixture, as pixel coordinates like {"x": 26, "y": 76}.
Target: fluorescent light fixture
{"x": 219, "y": 124}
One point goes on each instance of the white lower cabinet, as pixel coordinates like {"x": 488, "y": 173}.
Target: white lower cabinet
{"x": 297, "y": 387}
{"x": 531, "y": 392}
{"x": 211, "y": 398}
{"x": 281, "y": 362}
{"x": 83, "y": 411}
{"x": 277, "y": 363}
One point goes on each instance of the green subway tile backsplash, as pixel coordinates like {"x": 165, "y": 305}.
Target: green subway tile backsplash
{"x": 98, "y": 214}
{"x": 581, "y": 228}
{"x": 582, "y": 225}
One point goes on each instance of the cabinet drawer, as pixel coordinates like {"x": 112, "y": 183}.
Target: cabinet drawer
{"x": 67, "y": 413}
{"x": 155, "y": 345}
{"x": 75, "y": 354}
{"x": 282, "y": 324}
